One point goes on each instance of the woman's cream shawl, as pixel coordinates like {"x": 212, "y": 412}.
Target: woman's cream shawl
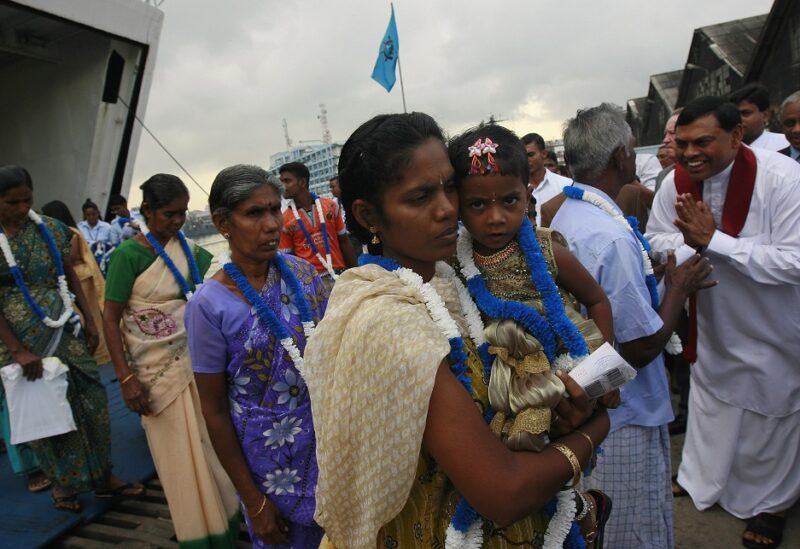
{"x": 370, "y": 368}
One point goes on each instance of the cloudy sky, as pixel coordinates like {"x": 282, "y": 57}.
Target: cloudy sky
{"x": 228, "y": 72}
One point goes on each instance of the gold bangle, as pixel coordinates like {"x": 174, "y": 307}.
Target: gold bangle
{"x": 260, "y": 509}
{"x": 127, "y": 379}
{"x": 587, "y": 437}
{"x": 573, "y": 461}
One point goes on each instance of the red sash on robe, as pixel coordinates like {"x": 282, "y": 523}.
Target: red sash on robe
{"x": 734, "y": 214}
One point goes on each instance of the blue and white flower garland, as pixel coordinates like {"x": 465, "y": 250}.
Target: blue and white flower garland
{"x": 276, "y": 327}
{"x": 555, "y": 322}
{"x": 466, "y": 526}
{"x": 674, "y": 346}
{"x": 68, "y": 314}
{"x": 474, "y": 324}
{"x": 176, "y": 273}
{"x": 325, "y": 261}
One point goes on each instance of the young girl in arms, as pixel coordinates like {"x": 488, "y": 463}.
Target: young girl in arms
{"x": 521, "y": 278}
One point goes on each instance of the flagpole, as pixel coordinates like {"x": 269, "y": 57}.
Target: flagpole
{"x": 400, "y": 68}
{"x": 402, "y": 89}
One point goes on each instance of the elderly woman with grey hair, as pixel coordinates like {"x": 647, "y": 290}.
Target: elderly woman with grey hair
{"x": 247, "y": 328}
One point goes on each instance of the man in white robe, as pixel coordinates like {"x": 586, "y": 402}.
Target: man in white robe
{"x": 742, "y": 447}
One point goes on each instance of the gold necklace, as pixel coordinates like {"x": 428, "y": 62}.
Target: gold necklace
{"x": 495, "y": 259}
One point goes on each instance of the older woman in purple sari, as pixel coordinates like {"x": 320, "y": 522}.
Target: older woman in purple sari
{"x": 247, "y": 328}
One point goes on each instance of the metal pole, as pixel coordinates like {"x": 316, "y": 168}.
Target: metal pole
{"x": 400, "y": 68}
{"x": 402, "y": 89}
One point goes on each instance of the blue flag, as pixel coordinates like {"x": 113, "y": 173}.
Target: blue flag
{"x": 384, "y": 71}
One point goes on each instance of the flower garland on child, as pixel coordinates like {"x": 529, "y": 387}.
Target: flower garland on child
{"x": 68, "y": 314}
{"x": 266, "y": 314}
{"x": 474, "y": 324}
{"x": 544, "y": 329}
{"x": 326, "y": 261}
{"x": 673, "y": 346}
{"x": 555, "y": 321}
{"x": 466, "y": 526}
{"x": 176, "y": 273}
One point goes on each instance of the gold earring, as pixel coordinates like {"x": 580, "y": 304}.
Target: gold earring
{"x": 226, "y": 236}
{"x": 375, "y": 238}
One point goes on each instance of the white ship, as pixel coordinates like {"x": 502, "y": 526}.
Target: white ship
{"x": 74, "y": 76}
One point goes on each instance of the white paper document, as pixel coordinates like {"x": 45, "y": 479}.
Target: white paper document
{"x": 602, "y": 371}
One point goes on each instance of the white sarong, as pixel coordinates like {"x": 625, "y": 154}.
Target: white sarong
{"x": 746, "y": 462}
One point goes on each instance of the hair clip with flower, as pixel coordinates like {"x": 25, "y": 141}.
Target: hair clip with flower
{"x": 476, "y": 151}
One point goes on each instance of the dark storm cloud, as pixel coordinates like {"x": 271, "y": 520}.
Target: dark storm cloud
{"x": 227, "y": 73}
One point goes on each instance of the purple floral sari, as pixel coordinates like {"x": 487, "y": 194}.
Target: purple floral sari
{"x": 269, "y": 402}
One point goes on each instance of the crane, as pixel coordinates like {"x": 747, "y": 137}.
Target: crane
{"x": 323, "y": 120}
{"x": 286, "y": 134}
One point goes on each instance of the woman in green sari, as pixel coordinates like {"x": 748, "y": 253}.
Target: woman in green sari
{"x": 77, "y": 461}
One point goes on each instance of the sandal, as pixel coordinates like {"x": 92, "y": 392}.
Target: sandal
{"x": 765, "y": 525}
{"x": 37, "y": 482}
{"x": 603, "y": 505}
{"x": 678, "y": 491}
{"x": 124, "y": 490}
{"x": 66, "y": 503}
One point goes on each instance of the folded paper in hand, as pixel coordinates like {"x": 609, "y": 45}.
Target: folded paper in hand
{"x": 37, "y": 409}
{"x": 602, "y": 372}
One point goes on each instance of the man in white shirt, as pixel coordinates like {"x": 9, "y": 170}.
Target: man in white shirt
{"x": 668, "y": 143}
{"x": 790, "y": 122}
{"x": 752, "y": 100}
{"x": 545, "y": 183}
{"x": 741, "y": 208}
{"x": 647, "y": 169}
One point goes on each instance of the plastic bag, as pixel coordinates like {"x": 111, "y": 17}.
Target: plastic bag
{"x": 37, "y": 409}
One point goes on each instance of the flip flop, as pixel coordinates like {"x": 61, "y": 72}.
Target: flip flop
{"x": 38, "y": 482}
{"x": 765, "y": 525}
{"x": 66, "y": 503}
{"x": 681, "y": 491}
{"x": 126, "y": 490}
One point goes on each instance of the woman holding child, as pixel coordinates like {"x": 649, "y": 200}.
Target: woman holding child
{"x": 398, "y": 373}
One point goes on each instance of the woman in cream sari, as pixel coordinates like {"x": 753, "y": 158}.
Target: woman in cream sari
{"x": 150, "y": 277}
